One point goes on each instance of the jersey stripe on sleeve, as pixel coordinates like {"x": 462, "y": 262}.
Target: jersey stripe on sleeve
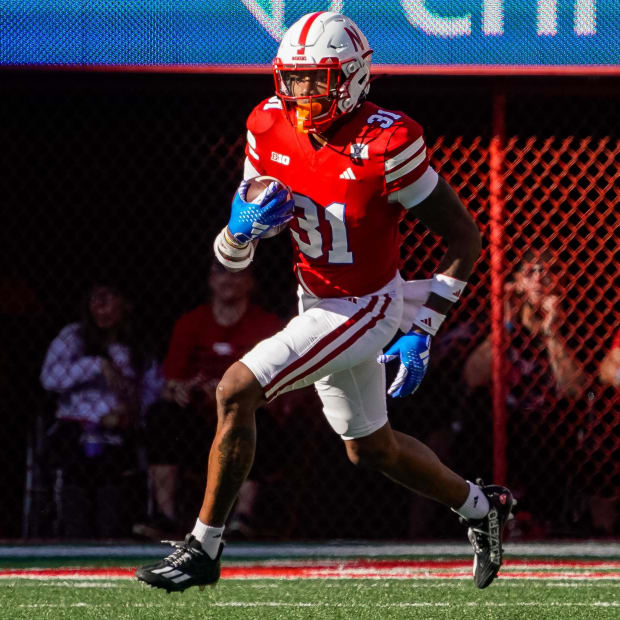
{"x": 411, "y": 165}
{"x": 405, "y": 155}
{"x": 407, "y": 166}
{"x": 251, "y": 143}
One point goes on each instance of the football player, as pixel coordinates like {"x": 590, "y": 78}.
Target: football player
{"x": 354, "y": 168}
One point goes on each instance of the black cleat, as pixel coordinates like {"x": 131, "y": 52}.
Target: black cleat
{"x": 485, "y": 535}
{"x": 188, "y": 566}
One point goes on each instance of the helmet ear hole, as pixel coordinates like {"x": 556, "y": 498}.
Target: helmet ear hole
{"x": 350, "y": 68}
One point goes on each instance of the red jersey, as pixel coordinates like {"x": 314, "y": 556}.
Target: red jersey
{"x": 345, "y": 233}
{"x": 616, "y": 343}
{"x": 199, "y": 344}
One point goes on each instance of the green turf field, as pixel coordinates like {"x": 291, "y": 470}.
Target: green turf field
{"x": 313, "y": 598}
{"x": 375, "y": 582}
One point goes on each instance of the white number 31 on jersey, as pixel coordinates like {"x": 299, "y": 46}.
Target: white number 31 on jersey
{"x": 383, "y": 118}
{"x": 314, "y": 247}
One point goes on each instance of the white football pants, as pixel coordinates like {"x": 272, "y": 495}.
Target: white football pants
{"x": 334, "y": 343}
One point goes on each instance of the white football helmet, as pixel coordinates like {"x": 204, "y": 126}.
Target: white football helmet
{"x": 330, "y": 55}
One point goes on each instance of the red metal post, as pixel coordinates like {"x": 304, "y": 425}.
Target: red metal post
{"x": 497, "y": 260}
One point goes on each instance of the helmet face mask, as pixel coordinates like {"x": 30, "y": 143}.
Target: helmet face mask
{"x": 319, "y": 81}
{"x": 309, "y": 94}
{"x": 322, "y": 70}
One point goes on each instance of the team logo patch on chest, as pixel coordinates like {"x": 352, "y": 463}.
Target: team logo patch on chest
{"x": 359, "y": 151}
{"x": 285, "y": 160}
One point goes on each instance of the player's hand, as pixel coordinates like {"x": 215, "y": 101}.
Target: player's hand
{"x": 249, "y": 221}
{"x": 413, "y": 350}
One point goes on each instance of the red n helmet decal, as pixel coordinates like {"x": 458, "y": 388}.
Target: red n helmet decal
{"x": 355, "y": 37}
{"x": 306, "y": 29}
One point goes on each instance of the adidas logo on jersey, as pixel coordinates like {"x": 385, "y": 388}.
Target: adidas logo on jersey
{"x": 427, "y": 321}
{"x": 348, "y": 174}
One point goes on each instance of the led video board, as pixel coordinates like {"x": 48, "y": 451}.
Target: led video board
{"x": 451, "y": 36}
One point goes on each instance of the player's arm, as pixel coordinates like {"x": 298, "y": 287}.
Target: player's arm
{"x": 438, "y": 207}
{"x": 412, "y": 182}
{"x": 444, "y": 213}
{"x": 234, "y": 247}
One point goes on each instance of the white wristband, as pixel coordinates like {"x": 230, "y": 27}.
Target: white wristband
{"x": 428, "y": 320}
{"x": 231, "y": 257}
{"x": 447, "y": 287}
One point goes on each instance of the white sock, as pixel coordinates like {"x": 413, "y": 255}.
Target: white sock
{"x": 209, "y": 537}
{"x": 476, "y": 505}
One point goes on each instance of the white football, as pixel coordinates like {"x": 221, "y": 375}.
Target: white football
{"x": 257, "y": 186}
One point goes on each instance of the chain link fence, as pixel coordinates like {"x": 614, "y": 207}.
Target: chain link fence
{"x": 133, "y": 174}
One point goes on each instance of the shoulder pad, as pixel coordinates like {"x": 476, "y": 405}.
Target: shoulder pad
{"x": 406, "y": 157}
{"x": 387, "y": 130}
{"x": 264, "y": 115}
{"x": 403, "y": 133}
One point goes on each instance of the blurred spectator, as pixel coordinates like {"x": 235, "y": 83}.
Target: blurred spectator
{"x": 542, "y": 377}
{"x": 534, "y": 317}
{"x": 610, "y": 366}
{"x": 181, "y": 426}
{"x": 104, "y": 379}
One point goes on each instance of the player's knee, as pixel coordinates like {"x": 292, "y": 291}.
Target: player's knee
{"x": 238, "y": 392}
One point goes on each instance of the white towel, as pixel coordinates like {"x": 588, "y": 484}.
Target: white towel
{"x": 415, "y": 294}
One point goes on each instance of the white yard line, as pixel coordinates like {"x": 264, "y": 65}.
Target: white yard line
{"x": 258, "y": 604}
{"x": 573, "y": 583}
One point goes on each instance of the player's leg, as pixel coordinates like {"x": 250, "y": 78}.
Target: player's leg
{"x": 327, "y": 337}
{"x": 485, "y": 509}
{"x": 232, "y": 452}
{"x": 196, "y": 560}
{"x": 354, "y": 404}
{"x": 410, "y": 463}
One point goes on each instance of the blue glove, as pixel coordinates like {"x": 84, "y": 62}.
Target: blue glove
{"x": 250, "y": 221}
{"x": 413, "y": 349}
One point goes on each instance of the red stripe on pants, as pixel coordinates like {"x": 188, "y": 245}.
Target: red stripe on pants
{"x": 322, "y": 343}
{"x": 346, "y": 344}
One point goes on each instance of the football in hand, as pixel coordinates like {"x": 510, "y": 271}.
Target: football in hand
{"x": 257, "y": 186}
